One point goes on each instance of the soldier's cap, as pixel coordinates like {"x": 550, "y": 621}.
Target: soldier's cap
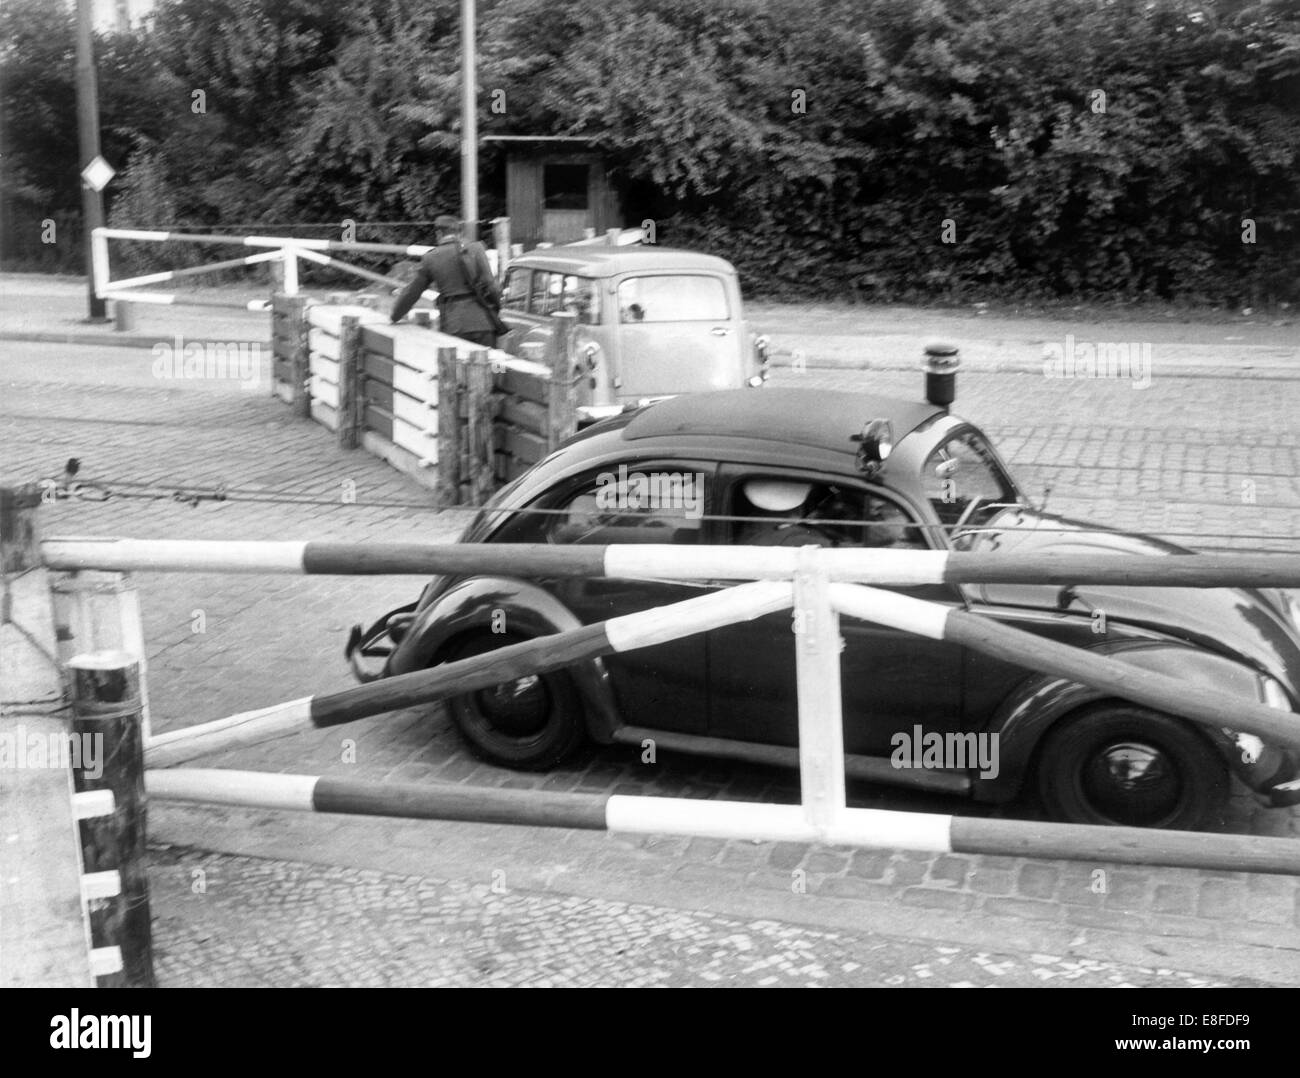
{"x": 445, "y": 222}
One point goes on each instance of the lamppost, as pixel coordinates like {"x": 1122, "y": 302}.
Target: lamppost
{"x": 468, "y": 124}
{"x": 92, "y": 166}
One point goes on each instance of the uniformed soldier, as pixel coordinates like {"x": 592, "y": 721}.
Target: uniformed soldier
{"x": 452, "y": 268}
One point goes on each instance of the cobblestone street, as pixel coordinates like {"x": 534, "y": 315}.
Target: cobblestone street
{"x": 295, "y": 900}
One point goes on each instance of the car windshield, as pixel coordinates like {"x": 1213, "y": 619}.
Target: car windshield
{"x": 669, "y": 298}
{"x": 966, "y": 485}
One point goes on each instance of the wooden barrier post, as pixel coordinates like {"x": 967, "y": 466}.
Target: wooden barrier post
{"x": 123, "y": 316}
{"x": 43, "y": 937}
{"x": 300, "y": 356}
{"x": 480, "y": 412}
{"x": 106, "y": 724}
{"x": 561, "y": 406}
{"x": 501, "y": 240}
{"x": 449, "y": 477}
{"x": 351, "y": 400}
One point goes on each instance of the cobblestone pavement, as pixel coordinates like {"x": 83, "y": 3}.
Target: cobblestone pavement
{"x": 256, "y": 923}
{"x": 1174, "y": 458}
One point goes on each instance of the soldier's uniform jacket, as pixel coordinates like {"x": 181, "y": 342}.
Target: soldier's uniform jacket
{"x": 443, "y": 269}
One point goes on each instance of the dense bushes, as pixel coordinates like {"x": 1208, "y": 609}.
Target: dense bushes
{"x": 881, "y": 149}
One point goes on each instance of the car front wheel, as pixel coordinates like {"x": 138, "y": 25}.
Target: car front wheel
{"x": 1128, "y": 765}
{"x": 530, "y": 723}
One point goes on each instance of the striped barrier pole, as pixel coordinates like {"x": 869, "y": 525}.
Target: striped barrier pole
{"x": 868, "y": 828}
{"x": 898, "y": 568}
{"x": 150, "y": 236}
{"x": 538, "y": 656}
{"x": 1210, "y": 707}
{"x": 193, "y": 271}
{"x": 369, "y": 275}
{"x": 167, "y": 298}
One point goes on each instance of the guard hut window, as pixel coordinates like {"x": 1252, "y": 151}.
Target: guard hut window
{"x": 564, "y": 187}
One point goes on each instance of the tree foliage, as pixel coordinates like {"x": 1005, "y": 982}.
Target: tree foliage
{"x": 883, "y": 149}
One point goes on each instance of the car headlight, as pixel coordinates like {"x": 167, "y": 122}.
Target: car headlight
{"x": 1274, "y": 694}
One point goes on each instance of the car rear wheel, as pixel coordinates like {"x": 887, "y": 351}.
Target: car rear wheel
{"x": 1127, "y": 765}
{"x": 530, "y": 723}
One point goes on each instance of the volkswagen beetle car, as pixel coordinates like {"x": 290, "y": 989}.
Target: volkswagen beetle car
{"x": 651, "y": 321}
{"x": 797, "y": 466}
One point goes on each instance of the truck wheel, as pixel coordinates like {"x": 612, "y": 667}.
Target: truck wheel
{"x": 1128, "y": 765}
{"x": 530, "y": 724}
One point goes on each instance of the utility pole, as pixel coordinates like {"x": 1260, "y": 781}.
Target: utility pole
{"x": 468, "y": 123}
{"x": 92, "y": 200}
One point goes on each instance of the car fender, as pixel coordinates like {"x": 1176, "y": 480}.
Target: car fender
{"x": 480, "y": 603}
{"x": 1041, "y": 700}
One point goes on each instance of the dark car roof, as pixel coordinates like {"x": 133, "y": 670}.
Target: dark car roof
{"x": 609, "y": 261}
{"x": 818, "y": 418}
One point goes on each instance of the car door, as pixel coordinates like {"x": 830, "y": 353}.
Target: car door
{"x": 891, "y": 681}
{"x": 677, "y": 333}
{"x": 663, "y": 687}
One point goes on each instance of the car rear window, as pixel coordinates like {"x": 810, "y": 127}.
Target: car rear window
{"x": 673, "y": 298}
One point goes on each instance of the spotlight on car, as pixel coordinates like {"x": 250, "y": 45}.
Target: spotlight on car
{"x": 875, "y": 443}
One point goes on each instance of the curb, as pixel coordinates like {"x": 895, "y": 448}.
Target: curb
{"x": 120, "y": 340}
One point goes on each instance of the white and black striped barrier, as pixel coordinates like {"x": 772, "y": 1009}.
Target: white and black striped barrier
{"x": 874, "y": 828}
{"x": 898, "y": 568}
{"x": 151, "y": 236}
{"x": 286, "y": 249}
{"x": 742, "y": 602}
{"x": 538, "y": 656}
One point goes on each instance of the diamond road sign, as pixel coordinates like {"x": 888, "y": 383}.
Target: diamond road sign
{"x": 97, "y": 173}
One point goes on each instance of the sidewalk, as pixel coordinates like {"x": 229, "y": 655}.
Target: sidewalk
{"x": 308, "y": 899}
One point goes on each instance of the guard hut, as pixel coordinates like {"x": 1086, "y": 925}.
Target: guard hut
{"x": 557, "y": 189}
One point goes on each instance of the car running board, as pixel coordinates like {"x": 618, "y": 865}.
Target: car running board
{"x": 866, "y": 768}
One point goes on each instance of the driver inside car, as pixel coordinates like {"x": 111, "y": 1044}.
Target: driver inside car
{"x": 776, "y": 508}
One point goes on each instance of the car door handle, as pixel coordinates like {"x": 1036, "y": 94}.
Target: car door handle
{"x": 719, "y": 331}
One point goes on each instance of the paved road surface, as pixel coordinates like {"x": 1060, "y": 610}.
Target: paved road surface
{"x": 320, "y": 892}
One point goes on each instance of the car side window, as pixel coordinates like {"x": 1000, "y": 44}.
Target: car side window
{"x": 538, "y": 296}
{"x": 514, "y": 292}
{"x": 780, "y": 511}
{"x": 581, "y": 297}
{"x": 643, "y": 504}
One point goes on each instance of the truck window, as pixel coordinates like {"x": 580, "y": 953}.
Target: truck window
{"x": 673, "y": 298}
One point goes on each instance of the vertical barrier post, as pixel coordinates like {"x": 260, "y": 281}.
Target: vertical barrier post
{"x": 123, "y": 322}
{"x": 478, "y": 426}
{"x": 100, "y": 611}
{"x": 448, "y": 429}
{"x": 290, "y": 260}
{"x": 107, "y": 726}
{"x": 817, "y": 663}
{"x": 351, "y": 405}
{"x": 561, "y": 414}
{"x": 296, "y": 308}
